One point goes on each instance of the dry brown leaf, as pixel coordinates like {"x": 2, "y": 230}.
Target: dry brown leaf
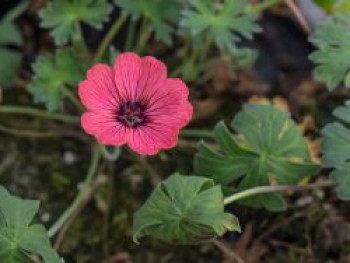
{"x": 206, "y": 108}
{"x": 221, "y": 73}
{"x": 250, "y": 250}
{"x": 249, "y": 85}
{"x": 334, "y": 231}
{"x": 305, "y": 126}
{"x": 120, "y": 257}
{"x": 304, "y": 94}
{"x": 278, "y": 102}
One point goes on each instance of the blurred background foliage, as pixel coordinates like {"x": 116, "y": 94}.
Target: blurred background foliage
{"x": 229, "y": 52}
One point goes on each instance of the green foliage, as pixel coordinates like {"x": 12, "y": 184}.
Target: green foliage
{"x": 336, "y": 150}
{"x": 224, "y": 22}
{"x": 18, "y": 239}
{"x": 268, "y": 149}
{"x": 326, "y": 4}
{"x": 342, "y": 6}
{"x": 334, "y": 5}
{"x": 161, "y": 14}
{"x": 184, "y": 210}
{"x": 52, "y": 74}
{"x": 63, "y": 17}
{"x": 332, "y": 56}
{"x": 10, "y": 61}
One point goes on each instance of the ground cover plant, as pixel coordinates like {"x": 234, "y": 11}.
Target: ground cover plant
{"x": 174, "y": 131}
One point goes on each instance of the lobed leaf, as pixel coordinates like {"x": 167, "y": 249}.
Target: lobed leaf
{"x": 268, "y": 149}
{"x": 184, "y": 210}
{"x": 53, "y": 73}
{"x": 19, "y": 239}
{"x": 332, "y": 57}
{"x": 336, "y": 150}
{"x": 161, "y": 13}
{"x": 226, "y": 22}
{"x": 63, "y": 17}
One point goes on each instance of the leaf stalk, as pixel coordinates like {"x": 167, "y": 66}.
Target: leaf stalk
{"x": 38, "y": 113}
{"x": 85, "y": 191}
{"x": 275, "y": 188}
{"x": 112, "y": 32}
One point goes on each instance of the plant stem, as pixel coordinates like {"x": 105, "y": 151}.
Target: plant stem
{"x": 71, "y": 96}
{"x": 299, "y": 16}
{"x": 258, "y": 8}
{"x": 111, "y": 155}
{"x": 112, "y": 32}
{"x": 275, "y": 188}
{"x": 130, "y": 36}
{"x": 84, "y": 191}
{"x": 28, "y": 133}
{"x": 80, "y": 44}
{"x": 145, "y": 34}
{"x": 39, "y": 113}
{"x": 205, "y": 49}
{"x": 196, "y": 133}
{"x": 16, "y": 11}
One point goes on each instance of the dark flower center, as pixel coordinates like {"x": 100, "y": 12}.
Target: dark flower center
{"x": 131, "y": 114}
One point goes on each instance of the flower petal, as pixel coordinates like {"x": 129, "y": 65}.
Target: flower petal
{"x": 106, "y": 130}
{"x": 135, "y": 77}
{"x": 127, "y": 70}
{"x": 138, "y": 80}
{"x": 98, "y": 92}
{"x": 170, "y": 103}
{"x": 148, "y": 140}
{"x": 152, "y": 72}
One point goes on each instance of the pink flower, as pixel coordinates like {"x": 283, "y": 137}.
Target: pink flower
{"x": 134, "y": 103}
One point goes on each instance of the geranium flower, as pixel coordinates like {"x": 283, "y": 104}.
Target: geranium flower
{"x": 134, "y": 103}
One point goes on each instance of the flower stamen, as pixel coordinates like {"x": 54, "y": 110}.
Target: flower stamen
{"x": 131, "y": 114}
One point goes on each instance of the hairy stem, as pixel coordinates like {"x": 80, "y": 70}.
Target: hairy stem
{"x": 273, "y": 189}
{"x": 112, "y": 32}
{"x": 79, "y": 43}
{"x": 145, "y": 34}
{"x": 131, "y": 33}
{"x": 28, "y": 133}
{"x": 72, "y": 97}
{"x": 85, "y": 191}
{"x": 38, "y": 113}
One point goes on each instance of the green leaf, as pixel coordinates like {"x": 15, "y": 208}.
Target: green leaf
{"x": 53, "y": 73}
{"x": 10, "y": 59}
{"x": 332, "y": 57}
{"x": 336, "y": 150}
{"x": 161, "y": 13}
{"x": 268, "y": 149}
{"x": 9, "y": 34}
{"x": 19, "y": 239}
{"x": 63, "y": 17}
{"x": 184, "y": 210}
{"x": 226, "y": 22}
{"x": 342, "y": 6}
{"x": 326, "y": 4}
{"x": 341, "y": 176}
